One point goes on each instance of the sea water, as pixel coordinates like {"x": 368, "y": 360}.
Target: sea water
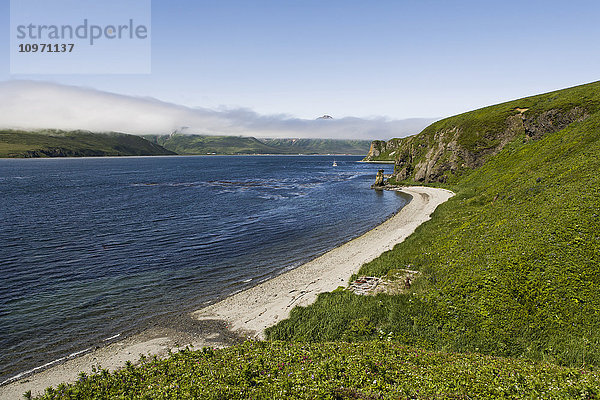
{"x": 92, "y": 249}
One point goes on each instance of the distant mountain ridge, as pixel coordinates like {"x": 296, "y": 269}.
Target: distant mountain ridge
{"x": 80, "y": 143}
{"x": 201, "y": 144}
{"x": 321, "y": 146}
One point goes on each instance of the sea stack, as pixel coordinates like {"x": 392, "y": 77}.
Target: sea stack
{"x": 379, "y": 180}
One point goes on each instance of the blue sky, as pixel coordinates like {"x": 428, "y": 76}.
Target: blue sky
{"x": 397, "y": 59}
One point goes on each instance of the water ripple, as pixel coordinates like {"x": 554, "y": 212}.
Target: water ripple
{"x": 93, "y": 248}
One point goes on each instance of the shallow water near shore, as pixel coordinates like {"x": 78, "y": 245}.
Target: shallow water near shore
{"x": 94, "y": 249}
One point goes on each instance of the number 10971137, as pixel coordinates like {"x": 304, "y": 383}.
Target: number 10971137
{"x": 46, "y": 47}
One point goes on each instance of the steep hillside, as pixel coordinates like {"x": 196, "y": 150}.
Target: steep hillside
{"x": 198, "y": 144}
{"x": 55, "y": 143}
{"x": 454, "y": 146}
{"x": 510, "y": 265}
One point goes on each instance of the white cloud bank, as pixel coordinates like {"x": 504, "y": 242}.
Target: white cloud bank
{"x": 34, "y": 105}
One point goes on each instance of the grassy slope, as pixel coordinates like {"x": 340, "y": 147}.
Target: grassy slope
{"x": 480, "y": 127}
{"x": 481, "y": 130}
{"x": 197, "y": 144}
{"x": 369, "y": 370}
{"x": 53, "y": 143}
{"x": 511, "y": 264}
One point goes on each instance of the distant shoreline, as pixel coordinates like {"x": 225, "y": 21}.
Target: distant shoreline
{"x": 246, "y": 314}
{"x": 50, "y": 143}
{"x": 196, "y": 155}
{"x": 378, "y": 162}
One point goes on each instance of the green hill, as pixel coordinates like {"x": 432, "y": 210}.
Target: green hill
{"x": 458, "y": 144}
{"x": 56, "y": 143}
{"x": 199, "y": 144}
{"x": 511, "y": 265}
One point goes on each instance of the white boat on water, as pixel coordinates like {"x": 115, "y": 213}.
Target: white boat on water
{"x": 334, "y": 163}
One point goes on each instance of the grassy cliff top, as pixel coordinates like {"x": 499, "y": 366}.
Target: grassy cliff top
{"x": 456, "y": 145}
{"x": 480, "y": 128}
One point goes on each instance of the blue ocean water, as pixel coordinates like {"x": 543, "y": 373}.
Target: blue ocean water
{"x": 95, "y": 247}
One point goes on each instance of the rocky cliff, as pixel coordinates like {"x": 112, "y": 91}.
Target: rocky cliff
{"x": 383, "y": 151}
{"x": 456, "y": 145}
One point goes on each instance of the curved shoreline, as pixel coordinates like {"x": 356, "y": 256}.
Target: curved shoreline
{"x": 246, "y": 314}
{"x": 251, "y": 311}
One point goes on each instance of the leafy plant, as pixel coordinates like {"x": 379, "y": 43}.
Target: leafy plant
{"x": 366, "y": 370}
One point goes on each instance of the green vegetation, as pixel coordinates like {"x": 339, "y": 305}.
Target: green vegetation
{"x": 198, "y": 144}
{"x": 510, "y": 265}
{"x": 368, "y": 370}
{"x": 55, "y": 143}
{"x": 452, "y": 147}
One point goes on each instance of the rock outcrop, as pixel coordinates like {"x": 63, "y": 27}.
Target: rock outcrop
{"x": 379, "y": 180}
{"x": 381, "y": 150}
